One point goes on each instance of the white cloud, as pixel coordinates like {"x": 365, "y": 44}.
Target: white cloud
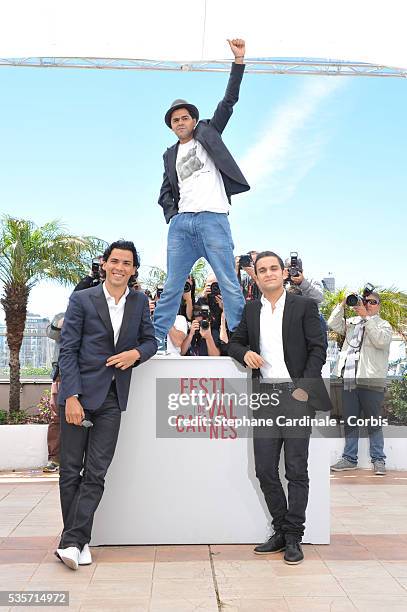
{"x": 290, "y": 141}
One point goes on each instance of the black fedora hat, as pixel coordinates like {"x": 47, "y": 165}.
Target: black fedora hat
{"x": 193, "y": 111}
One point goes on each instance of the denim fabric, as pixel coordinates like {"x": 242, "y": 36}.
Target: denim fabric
{"x": 191, "y": 236}
{"x": 368, "y": 403}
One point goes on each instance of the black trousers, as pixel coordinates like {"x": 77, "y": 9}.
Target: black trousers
{"x": 288, "y": 515}
{"x": 86, "y": 454}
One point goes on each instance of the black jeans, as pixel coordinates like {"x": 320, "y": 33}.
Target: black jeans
{"x": 288, "y": 516}
{"x": 86, "y": 454}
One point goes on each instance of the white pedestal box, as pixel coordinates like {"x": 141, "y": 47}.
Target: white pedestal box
{"x": 192, "y": 491}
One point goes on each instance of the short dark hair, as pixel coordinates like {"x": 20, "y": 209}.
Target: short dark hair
{"x": 268, "y": 254}
{"x": 123, "y": 245}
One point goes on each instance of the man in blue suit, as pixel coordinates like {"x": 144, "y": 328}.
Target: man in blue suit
{"x": 200, "y": 176}
{"x": 106, "y": 332}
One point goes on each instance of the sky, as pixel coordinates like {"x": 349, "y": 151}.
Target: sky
{"x": 325, "y": 158}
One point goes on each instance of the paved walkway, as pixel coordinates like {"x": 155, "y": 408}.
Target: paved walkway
{"x": 364, "y": 568}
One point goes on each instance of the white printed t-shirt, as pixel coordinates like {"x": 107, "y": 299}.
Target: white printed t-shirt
{"x": 200, "y": 183}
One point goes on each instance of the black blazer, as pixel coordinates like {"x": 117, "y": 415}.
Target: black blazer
{"x": 303, "y": 344}
{"x": 208, "y": 133}
{"x": 87, "y": 341}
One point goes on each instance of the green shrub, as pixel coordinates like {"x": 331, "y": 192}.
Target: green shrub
{"x": 19, "y": 417}
{"x": 397, "y": 403}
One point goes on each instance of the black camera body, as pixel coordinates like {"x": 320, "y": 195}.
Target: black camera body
{"x": 211, "y": 299}
{"x": 187, "y": 287}
{"x": 353, "y": 299}
{"x": 96, "y": 268}
{"x": 295, "y": 267}
{"x": 158, "y": 292}
{"x": 215, "y": 289}
{"x": 245, "y": 261}
{"x": 204, "y": 312}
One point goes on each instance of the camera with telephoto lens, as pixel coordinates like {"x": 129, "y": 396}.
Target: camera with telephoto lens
{"x": 295, "y": 267}
{"x": 204, "y": 312}
{"x": 245, "y": 261}
{"x": 353, "y": 299}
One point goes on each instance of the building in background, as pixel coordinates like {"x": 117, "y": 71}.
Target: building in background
{"x": 329, "y": 282}
{"x": 36, "y": 347}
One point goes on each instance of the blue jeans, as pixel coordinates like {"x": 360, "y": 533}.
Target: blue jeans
{"x": 191, "y": 236}
{"x": 370, "y": 403}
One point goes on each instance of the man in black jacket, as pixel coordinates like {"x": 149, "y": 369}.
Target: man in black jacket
{"x": 200, "y": 176}
{"x": 280, "y": 339}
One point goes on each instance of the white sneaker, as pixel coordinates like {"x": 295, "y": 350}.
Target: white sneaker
{"x": 69, "y": 556}
{"x": 85, "y": 557}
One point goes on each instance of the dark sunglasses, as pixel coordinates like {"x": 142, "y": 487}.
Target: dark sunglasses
{"x": 372, "y": 302}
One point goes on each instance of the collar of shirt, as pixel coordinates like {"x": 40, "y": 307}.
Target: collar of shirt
{"x": 279, "y": 304}
{"x": 271, "y": 341}
{"x": 116, "y": 311}
{"x": 110, "y": 300}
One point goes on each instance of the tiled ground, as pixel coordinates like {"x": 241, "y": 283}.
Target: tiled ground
{"x": 364, "y": 568}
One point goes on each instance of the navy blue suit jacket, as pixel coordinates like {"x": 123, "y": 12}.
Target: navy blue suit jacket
{"x": 87, "y": 341}
{"x": 208, "y": 132}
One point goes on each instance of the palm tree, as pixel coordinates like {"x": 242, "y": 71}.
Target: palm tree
{"x": 393, "y": 308}
{"x": 28, "y": 254}
{"x": 157, "y": 276}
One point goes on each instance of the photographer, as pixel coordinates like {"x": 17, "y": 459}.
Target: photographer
{"x": 212, "y": 298}
{"x": 244, "y": 265}
{"x": 202, "y": 341}
{"x": 53, "y": 433}
{"x": 188, "y": 299}
{"x": 309, "y": 288}
{"x": 298, "y": 284}
{"x": 363, "y": 365}
{"x": 95, "y": 276}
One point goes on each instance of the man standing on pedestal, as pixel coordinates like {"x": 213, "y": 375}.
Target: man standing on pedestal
{"x": 106, "y": 332}
{"x": 200, "y": 176}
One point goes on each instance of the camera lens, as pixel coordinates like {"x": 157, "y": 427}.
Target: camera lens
{"x": 352, "y": 300}
{"x": 204, "y": 324}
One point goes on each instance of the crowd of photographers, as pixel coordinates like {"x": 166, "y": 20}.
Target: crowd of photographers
{"x": 200, "y": 329}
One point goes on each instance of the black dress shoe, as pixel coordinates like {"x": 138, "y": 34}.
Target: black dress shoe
{"x": 293, "y": 551}
{"x": 273, "y": 545}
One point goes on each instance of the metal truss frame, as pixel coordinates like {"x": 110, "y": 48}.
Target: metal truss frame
{"x": 261, "y": 66}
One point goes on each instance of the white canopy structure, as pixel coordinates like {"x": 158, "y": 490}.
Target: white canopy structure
{"x": 335, "y": 37}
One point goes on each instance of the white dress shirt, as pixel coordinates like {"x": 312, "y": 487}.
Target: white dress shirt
{"x": 271, "y": 340}
{"x": 116, "y": 311}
